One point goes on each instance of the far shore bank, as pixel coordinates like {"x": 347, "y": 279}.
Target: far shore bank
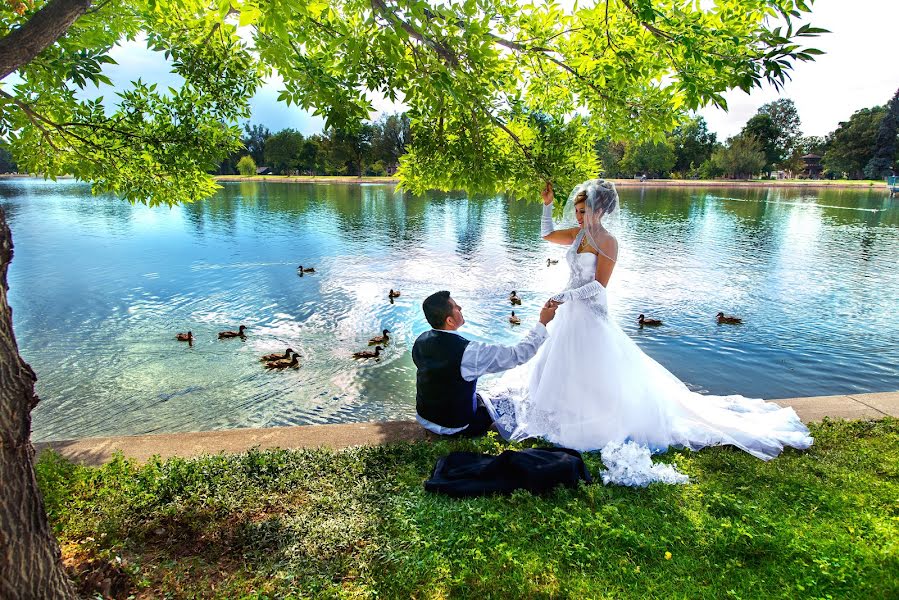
{"x": 679, "y": 183}
{"x": 717, "y": 183}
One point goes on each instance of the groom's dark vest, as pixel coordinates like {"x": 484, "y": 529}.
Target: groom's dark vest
{"x": 442, "y": 396}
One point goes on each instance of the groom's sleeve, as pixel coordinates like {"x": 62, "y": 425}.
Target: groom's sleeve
{"x": 480, "y": 359}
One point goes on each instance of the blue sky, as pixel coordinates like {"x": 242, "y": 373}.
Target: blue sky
{"x": 857, "y": 71}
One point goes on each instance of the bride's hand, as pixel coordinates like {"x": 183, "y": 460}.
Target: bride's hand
{"x": 547, "y": 194}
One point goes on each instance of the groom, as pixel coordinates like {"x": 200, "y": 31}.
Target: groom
{"x": 448, "y": 367}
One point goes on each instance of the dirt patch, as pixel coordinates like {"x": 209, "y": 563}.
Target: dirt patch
{"x": 93, "y": 574}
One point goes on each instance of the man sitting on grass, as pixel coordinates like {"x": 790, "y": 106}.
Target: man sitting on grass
{"x": 448, "y": 367}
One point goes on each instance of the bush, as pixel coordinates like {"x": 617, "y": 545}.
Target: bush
{"x": 246, "y": 166}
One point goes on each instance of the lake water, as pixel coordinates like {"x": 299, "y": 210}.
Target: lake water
{"x": 100, "y": 287}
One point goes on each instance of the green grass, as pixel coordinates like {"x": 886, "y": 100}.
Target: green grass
{"x": 357, "y": 524}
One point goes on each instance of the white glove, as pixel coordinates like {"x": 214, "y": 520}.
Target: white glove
{"x": 546, "y": 222}
{"x": 581, "y": 293}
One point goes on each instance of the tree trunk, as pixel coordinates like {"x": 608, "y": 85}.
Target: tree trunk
{"x": 21, "y": 45}
{"x": 30, "y": 565}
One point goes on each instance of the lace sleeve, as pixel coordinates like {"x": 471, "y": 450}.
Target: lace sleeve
{"x": 585, "y": 291}
{"x": 546, "y": 221}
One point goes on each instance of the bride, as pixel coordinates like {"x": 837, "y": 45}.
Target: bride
{"x": 590, "y": 387}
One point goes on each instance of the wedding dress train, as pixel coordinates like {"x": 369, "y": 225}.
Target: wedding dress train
{"x": 590, "y": 387}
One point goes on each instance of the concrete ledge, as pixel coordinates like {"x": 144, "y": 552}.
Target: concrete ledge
{"x": 96, "y": 451}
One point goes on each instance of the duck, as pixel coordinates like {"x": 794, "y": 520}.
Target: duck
{"x": 393, "y": 294}
{"x": 232, "y": 334}
{"x": 514, "y": 320}
{"x": 301, "y": 269}
{"x": 552, "y": 261}
{"x": 380, "y": 339}
{"x": 284, "y": 363}
{"x": 277, "y": 356}
{"x": 642, "y": 320}
{"x": 185, "y": 337}
{"x": 368, "y": 353}
{"x": 730, "y": 320}
{"x": 514, "y": 299}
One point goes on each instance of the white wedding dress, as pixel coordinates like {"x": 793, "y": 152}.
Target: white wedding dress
{"x": 590, "y": 387}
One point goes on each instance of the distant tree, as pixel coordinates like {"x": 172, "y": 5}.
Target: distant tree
{"x": 654, "y": 159}
{"x": 390, "y": 136}
{"x": 786, "y": 121}
{"x": 761, "y": 127}
{"x": 740, "y": 158}
{"x": 692, "y": 143}
{"x": 376, "y": 169}
{"x": 710, "y": 169}
{"x": 885, "y": 157}
{"x": 254, "y": 139}
{"x": 351, "y": 148}
{"x": 7, "y": 164}
{"x": 282, "y": 151}
{"x": 315, "y": 156}
{"x": 246, "y": 166}
{"x": 610, "y": 154}
{"x": 853, "y": 143}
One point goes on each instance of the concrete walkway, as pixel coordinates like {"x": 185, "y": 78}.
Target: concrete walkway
{"x": 96, "y": 451}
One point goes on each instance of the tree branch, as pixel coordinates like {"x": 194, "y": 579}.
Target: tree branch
{"x": 440, "y": 49}
{"x": 20, "y": 46}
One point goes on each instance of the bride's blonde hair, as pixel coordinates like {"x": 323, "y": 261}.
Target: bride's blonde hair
{"x": 601, "y": 194}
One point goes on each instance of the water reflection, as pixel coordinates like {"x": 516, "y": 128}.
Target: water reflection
{"x": 99, "y": 287}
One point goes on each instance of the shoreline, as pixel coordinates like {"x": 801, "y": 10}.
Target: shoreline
{"x": 629, "y": 183}
{"x": 99, "y": 450}
{"x": 677, "y": 183}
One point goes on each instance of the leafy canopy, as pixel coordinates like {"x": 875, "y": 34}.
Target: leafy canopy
{"x": 854, "y": 143}
{"x": 501, "y": 95}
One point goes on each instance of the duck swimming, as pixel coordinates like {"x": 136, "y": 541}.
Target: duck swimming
{"x": 284, "y": 363}
{"x": 380, "y": 339}
{"x": 728, "y": 319}
{"x": 233, "y": 334}
{"x": 368, "y": 353}
{"x": 648, "y": 322}
{"x": 277, "y": 356}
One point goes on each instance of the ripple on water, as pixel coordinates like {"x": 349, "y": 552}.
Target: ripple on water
{"x": 813, "y": 277}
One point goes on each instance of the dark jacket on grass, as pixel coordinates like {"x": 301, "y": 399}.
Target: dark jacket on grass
{"x": 537, "y": 470}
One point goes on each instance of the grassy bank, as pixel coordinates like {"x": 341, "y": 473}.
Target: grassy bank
{"x": 357, "y": 524}
{"x": 306, "y": 179}
{"x": 764, "y": 183}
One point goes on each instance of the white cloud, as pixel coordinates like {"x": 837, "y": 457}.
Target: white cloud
{"x": 858, "y": 71}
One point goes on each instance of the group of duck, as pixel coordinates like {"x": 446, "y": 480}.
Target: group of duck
{"x": 290, "y": 358}
{"x": 377, "y": 341}
{"x": 721, "y": 318}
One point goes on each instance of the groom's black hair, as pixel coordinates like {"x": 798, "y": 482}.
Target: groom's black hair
{"x": 437, "y": 308}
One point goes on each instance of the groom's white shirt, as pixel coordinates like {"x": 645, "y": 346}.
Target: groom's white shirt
{"x": 480, "y": 358}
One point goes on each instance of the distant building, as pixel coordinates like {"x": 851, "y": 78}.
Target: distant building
{"x": 263, "y": 170}
{"x": 813, "y": 168}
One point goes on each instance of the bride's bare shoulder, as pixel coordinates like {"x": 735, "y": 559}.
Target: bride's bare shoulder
{"x": 608, "y": 246}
